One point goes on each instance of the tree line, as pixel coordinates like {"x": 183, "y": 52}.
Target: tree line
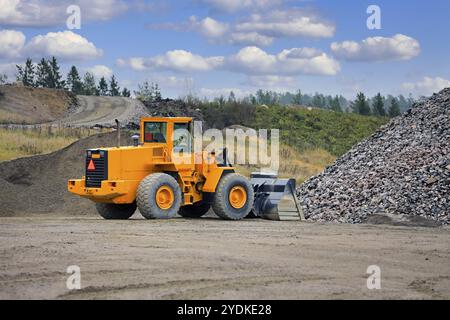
{"x": 378, "y": 105}
{"x": 46, "y": 74}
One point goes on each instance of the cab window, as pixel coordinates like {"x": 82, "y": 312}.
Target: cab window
{"x": 155, "y": 132}
{"x": 182, "y": 141}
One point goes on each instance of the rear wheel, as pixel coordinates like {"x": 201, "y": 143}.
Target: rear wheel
{"x": 158, "y": 196}
{"x": 234, "y": 197}
{"x": 112, "y": 211}
{"x": 196, "y": 210}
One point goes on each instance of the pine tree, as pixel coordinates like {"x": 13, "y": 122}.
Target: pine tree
{"x": 103, "y": 87}
{"x": 74, "y": 82}
{"x": 89, "y": 85}
{"x": 316, "y": 101}
{"x": 157, "y": 92}
{"x": 56, "y": 77}
{"x": 43, "y": 74}
{"x": 3, "y": 78}
{"x": 26, "y": 73}
{"x": 394, "y": 109}
{"x": 335, "y": 104}
{"x": 231, "y": 97}
{"x": 114, "y": 89}
{"x": 297, "y": 98}
{"x": 378, "y": 106}
{"x": 126, "y": 93}
{"x": 360, "y": 105}
{"x": 148, "y": 92}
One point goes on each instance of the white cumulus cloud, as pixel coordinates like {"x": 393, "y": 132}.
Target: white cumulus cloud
{"x": 398, "y": 47}
{"x": 257, "y": 29}
{"x": 11, "y": 43}
{"x": 248, "y": 61}
{"x": 250, "y": 38}
{"x": 175, "y": 60}
{"x": 39, "y": 13}
{"x": 208, "y": 27}
{"x": 65, "y": 45}
{"x": 9, "y": 69}
{"x": 255, "y": 61}
{"x": 238, "y": 5}
{"x": 427, "y": 86}
{"x": 287, "y": 23}
{"x": 100, "y": 71}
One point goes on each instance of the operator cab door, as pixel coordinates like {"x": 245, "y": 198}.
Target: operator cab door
{"x": 183, "y": 143}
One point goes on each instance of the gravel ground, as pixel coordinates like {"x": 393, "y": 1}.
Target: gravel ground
{"x": 214, "y": 259}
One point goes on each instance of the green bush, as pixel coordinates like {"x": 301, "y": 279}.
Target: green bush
{"x": 306, "y": 129}
{"x": 300, "y": 128}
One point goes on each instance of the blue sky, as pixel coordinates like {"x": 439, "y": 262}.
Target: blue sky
{"x": 209, "y": 47}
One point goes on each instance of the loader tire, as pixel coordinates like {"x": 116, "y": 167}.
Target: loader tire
{"x": 112, "y": 211}
{"x": 196, "y": 210}
{"x": 234, "y": 197}
{"x": 158, "y": 196}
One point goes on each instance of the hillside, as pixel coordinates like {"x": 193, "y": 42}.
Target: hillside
{"x": 306, "y": 129}
{"x": 25, "y": 105}
{"x": 301, "y": 128}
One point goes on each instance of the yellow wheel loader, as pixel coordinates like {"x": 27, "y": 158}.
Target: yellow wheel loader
{"x": 162, "y": 176}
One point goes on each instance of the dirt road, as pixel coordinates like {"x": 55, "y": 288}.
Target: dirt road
{"x": 92, "y": 111}
{"x": 211, "y": 258}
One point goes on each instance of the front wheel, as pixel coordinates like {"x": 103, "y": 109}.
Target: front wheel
{"x": 158, "y": 196}
{"x": 112, "y": 211}
{"x": 234, "y": 197}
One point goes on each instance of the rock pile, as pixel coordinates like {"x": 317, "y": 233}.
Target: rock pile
{"x": 403, "y": 169}
{"x": 173, "y": 108}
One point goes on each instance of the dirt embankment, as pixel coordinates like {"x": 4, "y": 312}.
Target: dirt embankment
{"x": 39, "y": 184}
{"x": 91, "y": 111}
{"x": 25, "y": 105}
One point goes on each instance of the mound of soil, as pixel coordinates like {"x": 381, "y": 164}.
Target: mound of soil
{"x": 39, "y": 184}
{"x": 173, "y": 108}
{"x": 33, "y": 105}
{"x": 94, "y": 111}
{"x": 403, "y": 169}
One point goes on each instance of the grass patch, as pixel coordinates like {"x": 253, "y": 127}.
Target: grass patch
{"x": 318, "y": 129}
{"x": 7, "y": 117}
{"x": 298, "y": 165}
{"x": 23, "y": 142}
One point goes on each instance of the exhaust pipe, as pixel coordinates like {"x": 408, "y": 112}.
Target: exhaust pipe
{"x": 118, "y": 133}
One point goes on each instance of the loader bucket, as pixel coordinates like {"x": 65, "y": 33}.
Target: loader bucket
{"x": 275, "y": 198}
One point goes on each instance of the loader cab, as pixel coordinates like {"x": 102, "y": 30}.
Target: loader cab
{"x": 173, "y": 133}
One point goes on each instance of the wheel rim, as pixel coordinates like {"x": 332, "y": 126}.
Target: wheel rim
{"x": 238, "y": 197}
{"x": 165, "y": 197}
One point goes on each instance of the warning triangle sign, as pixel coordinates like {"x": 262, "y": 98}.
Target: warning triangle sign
{"x": 91, "y": 166}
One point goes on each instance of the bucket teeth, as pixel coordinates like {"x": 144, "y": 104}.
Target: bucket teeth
{"x": 275, "y": 198}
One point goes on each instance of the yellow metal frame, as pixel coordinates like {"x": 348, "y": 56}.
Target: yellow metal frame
{"x": 127, "y": 166}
